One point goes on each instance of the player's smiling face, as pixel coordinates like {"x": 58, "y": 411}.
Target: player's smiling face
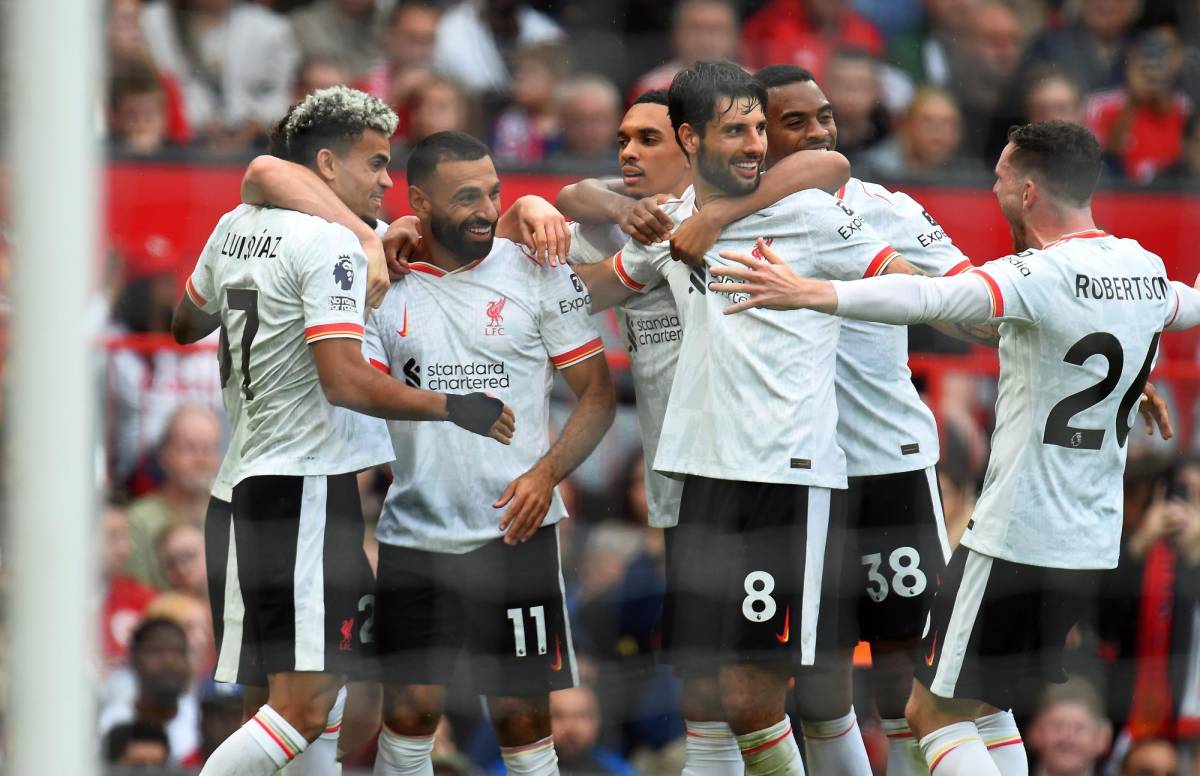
{"x": 730, "y": 154}
{"x": 651, "y": 161}
{"x": 463, "y": 205}
{"x": 359, "y": 174}
{"x": 799, "y": 118}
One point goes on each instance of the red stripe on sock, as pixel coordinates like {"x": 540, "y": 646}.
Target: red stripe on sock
{"x": 767, "y": 745}
{"x": 999, "y": 744}
{"x": 279, "y": 742}
{"x": 835, "y": 736}
{"x": 941, "y": 757}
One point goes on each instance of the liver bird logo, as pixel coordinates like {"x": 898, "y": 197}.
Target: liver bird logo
{"x": 495, "y": 311}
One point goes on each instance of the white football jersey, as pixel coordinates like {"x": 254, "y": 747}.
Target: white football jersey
{"x": 499, "y": 325}
{"x": 883, "y": 426}
{"x": 753, "y": 396}
{"x": 282, "y": 280}
{"x": 1079, "y": 329}
{"x": 651, "y": 326}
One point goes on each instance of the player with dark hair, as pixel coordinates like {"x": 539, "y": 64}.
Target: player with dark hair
{"x": 468, "y": 555}
{"x": 1079, "y": 315}
{"x": 292, "y": 324}
{"x": 656, "y": 179}
{"x": 758, "y": 495}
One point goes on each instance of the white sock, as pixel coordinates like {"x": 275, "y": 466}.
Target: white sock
{"x": 904, "y": 755}
{"x": 403, "y": 755}
{"x": 266, "y": 743}
{"x": 771, "y": 750}
{"x": 712, "y": 750}
{"x": 321, "y": 757}
{"x": 1003, "y": 741}
{"x": 836, "y": 746}
{"x": 957, "y": 750}
{"x": 536, "y": 759}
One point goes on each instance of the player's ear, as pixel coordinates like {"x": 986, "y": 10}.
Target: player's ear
{"x": 689, "y": 138}
{"x": 1029, "y": 193}
{"x": 418, "y": 200}
{"x": 325, "y": 164}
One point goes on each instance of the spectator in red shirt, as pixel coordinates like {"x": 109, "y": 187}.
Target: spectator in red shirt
{"x": 701, "y": 31}
{"x": 125, "y": 599}
{"x": 409, "y": 36}
{"x": 1141, "y": 125}
{"x": 804, "y": 33}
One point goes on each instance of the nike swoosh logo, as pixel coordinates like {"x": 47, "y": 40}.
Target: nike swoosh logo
{"x": 558, "y": 663}
{"x": 403, "y": 331}
{"x": 782, "y": 638}
{"x": 932, "y": 651}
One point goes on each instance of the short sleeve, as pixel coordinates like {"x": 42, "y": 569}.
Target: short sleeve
{"x": 333, "y": 286}
{"x": 641, "y": 267}
{"x": 377, "y": 340}
{"x": 201, "y": 285}
{"x": 923, "y": 242}
{"x": 566, "y": 327}
{"x": 1012, "y": 284}
{"x": 843, "y": 246}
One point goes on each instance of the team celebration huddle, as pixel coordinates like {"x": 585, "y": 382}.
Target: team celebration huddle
{"x": 788, "y": 456}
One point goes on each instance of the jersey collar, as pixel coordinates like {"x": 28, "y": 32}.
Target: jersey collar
{"x": 430, "y": 269}
{"x": 1086, "y": 234}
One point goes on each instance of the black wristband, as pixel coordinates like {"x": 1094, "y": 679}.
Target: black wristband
{"x": 476, "y": 412}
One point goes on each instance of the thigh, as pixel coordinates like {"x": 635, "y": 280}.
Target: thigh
{"x": 902, "y": 550}
{"x": 519, "y": 641}
{"x": 419, "y": 626}
{"x": 304, "y": 576}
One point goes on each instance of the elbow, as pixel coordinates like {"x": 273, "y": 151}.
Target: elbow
{"x": 839, "y": 169}
{"x": 179, "y": 331}
{"x": 256, "y": 173}
{"x": 337, "y": 393}
{"x": 563, "y": 201}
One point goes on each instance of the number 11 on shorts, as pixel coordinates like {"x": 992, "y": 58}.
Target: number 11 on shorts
{"x": 538, "y": 613}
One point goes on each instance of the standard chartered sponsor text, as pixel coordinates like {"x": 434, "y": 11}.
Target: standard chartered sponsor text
{"x": 656, "y": 330}
{"x": 476, "y": 376}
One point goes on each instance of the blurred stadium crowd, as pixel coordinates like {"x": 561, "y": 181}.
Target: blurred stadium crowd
{"x": 922, "y": 89}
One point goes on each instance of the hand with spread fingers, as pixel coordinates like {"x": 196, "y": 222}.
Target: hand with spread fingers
{"x": 769, "y": 283}
{"x": 528, "y": 500}
{"x": 645, "y": 221}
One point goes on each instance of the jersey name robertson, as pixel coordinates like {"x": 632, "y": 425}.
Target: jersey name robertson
{"x": 1074, "y": 354}
{"x": 499, "y": 325}
{"x": 753, "y": 395}
{"x": 280, "y": 281}
{"x": 883, "y": 426}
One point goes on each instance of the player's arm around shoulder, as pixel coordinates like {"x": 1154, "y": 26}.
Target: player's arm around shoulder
{"x": 826, "y": 171}
{"x": 535, "y": 223}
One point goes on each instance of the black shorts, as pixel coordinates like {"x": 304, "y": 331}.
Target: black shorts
{"x": 225, "y": 599}
{"x": 305, "y": 582}
{"x": 892, "y": 551}
{"x": 501, "y": 608}
{"x": 998, "y": 629}
{"x": 744, "y": 573}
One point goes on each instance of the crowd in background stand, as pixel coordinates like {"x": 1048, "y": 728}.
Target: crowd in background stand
{"x": 922, "y": 90}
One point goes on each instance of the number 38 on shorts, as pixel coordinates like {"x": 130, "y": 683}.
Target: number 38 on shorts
{"x": 902, "y": 576}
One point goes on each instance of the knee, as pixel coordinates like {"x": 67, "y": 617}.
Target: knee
{"x": 414, "y": 710}
{"x": 308, "y": 716}
{"x": 826, "y": 693}
{"x": 519, "y": 721}
{"x": 753, "y": 698}
{"x": 700, "y": 700}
